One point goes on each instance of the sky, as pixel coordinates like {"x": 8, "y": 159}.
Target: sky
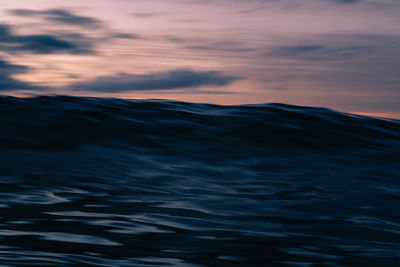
{"x": 341, "y": 54}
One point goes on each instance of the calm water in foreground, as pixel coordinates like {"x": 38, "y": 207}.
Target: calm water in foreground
{"x": 107, "y": 182}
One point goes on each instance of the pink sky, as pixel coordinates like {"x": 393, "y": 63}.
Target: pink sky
{"x": 333, "y": 53}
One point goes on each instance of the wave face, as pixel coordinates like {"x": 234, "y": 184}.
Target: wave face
{"x": 109, "y": 182}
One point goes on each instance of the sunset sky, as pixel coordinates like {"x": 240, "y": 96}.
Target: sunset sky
{"x": 341, "y": 54}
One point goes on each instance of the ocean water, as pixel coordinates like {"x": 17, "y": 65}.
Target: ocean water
{"x": 109, "y": 182}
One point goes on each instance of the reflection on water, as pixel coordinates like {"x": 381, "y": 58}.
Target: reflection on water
{"x": 108, "y": 182}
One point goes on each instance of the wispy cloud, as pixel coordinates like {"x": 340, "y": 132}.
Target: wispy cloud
{"x": 223, "y": 46}
{"x": 125, "y": 36}
{"x": 346, "y": 1}
{"x": 176, "y": 79}
{"x": 145, "y": 14}
{"x": 42, "y": 43}
{"x": 320, "y": 52}
{"x": 60, "y": 16}
{"x": 8, "y": 83}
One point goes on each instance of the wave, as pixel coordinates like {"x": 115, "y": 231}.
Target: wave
{"x": 61, "y": 123}
{"x": 111, "y": 182}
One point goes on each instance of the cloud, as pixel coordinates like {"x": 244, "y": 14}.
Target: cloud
{"x": 346, "y": 1}
{"x": 175, "y": 39}
{"x": 223, "y": 46}
{"x": 176, "y": 79}
{"x": 60, "y": 16}
{"x": 42, "y": 43}
{"x": 320, "y": 52}
{"x": 125, "y": 36}
{"x": 145, "y": 15}
{"x": 8, "y": 83}
{"x": 190, "y": 20}
{"x": 262, "y": 5}
{"x": 358, "y": 65}
{"x": 296, "y": 50}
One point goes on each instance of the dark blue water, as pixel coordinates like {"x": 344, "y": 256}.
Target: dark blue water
{"x": 107, "y": 182}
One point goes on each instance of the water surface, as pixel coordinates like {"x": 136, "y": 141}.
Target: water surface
{"x": 108, "y": 182}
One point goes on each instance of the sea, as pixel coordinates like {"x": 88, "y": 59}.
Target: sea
{"x": 111, "y": 182}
